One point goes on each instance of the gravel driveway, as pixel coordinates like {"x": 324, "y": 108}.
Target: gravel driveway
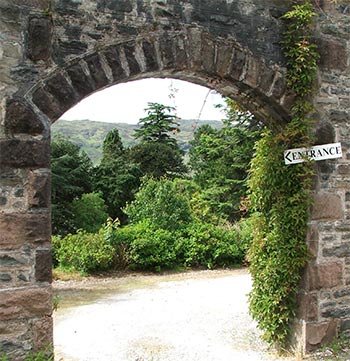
{"x": 189, "y": 317}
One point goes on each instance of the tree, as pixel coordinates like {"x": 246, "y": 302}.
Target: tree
{"x": 71, "y": 177}
{"x": 159, "y": 203}
{"x": 158, "y": 124}
{"x": 220, "y": 160}
{"x": 116, "y": 177}
{"x": 90, "y": 212}
{"x": 158, "y": 154}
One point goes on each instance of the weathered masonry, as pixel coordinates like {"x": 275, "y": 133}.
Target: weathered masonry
{"x": 54, "y": 53}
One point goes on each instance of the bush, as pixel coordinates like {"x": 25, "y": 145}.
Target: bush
{"x": 160, "y": 204}
{"x": 147, "y": 248}
{"x": 203, "y": 244}
{"x": 85, "y": 252}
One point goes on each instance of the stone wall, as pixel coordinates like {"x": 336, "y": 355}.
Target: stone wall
{"x": 325, "y": 298}
{"x": 55, "y": 53}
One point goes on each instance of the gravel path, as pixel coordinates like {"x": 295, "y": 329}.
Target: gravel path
{"x": 198, "y": 316}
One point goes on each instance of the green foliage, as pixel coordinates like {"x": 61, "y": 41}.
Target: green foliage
{"x": 158, "y": 159}
{"x": 116, "y": 177}
{"x": 301, "y": 53}
{"x": 159, "y": 203}
{"x": 90, "y": 212}
{"x": 151, "y": 248}
{"x": 279, "y": 195}
{"x": 85, "y": 252}
{"x": 158, "y": 124}
{"x": 206, "y": 245}
{"x": 158, "y": 154}
{"x": 71, "y": 177}
{"x": 278, "y": 251}
{"x": 220, "y": 160}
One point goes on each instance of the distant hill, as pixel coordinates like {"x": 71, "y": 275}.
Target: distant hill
{"x": 89, "y": 135}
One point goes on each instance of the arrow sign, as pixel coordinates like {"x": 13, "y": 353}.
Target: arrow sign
{"x": 318, "y": 152}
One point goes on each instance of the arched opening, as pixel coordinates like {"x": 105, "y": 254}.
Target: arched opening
{"x": 220, "y": 65}
{"x": 150, "y": 340}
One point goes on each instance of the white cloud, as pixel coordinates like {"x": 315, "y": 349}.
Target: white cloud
{"x": 126, "y": 102}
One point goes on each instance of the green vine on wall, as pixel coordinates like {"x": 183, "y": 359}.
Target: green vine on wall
{"x": 279, "y": 195}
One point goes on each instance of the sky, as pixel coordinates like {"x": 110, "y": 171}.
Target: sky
{"x": 125, "y": 103}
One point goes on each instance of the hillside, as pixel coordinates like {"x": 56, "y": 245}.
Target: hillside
{"x": 89, "y": 135}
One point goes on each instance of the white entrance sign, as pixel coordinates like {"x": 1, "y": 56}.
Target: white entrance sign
{"x": 318, "y": 152}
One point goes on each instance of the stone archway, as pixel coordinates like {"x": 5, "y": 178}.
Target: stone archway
{"x": 53, "y": 56}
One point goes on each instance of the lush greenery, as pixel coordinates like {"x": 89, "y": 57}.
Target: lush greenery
{"x": 164, "y": 218}
{"x": 71, "y": 178}
{"x": 158, "y": 153}
{"x": 279, "y": 195}
{"x": 220, "y": 160}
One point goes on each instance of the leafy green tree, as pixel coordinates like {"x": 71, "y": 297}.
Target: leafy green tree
{"x": 158, "y": 160}
{"x": 220, "y": 160}
{"x": 159, "y": 203}
{"x": 71, "y": 177}
{"x": 158, "y": 154}
{"x": 158, "y": 124}
{"x": 117, "y": 178}
{"x": 90, "y": 212}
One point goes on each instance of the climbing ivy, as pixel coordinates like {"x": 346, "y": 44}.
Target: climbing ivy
{"x": 279, "y": 195}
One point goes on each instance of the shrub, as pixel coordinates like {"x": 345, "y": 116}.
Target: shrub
{"x": 149, "y": 248}
{"x": 160, "y": 204}
{"x": 85, "y": 252}
{"x": 203, "y": 244}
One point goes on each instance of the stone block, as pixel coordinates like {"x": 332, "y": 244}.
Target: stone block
{"x": 339, "y": 116}
{"x": 21, "y": 119}
{"x": 97, "y": 72}
{"x": 339, "y": 251}
{"x": 39, "y": 38}
{"x": 43, "y": 265}
{"x": 47, "y": 104}
{"x": 208, "y": 54}
{"x": 43, "y": 334}
{"x": 150, "y": 56}
{"x": 39, "y": 189}
{"x": 327, "y": 206}
{"x": 166, "y": 45}
{"x": 194, "y": 38}
{"x": 317, "y": 334}
{"x": 238, "y": 60}
{"x": 130, "y": 52}
{"x": 333, "y": 54}
{"x": 81, "y": 82}
{"x": 308, "y": 306}
{"x": 324, "y": 133}
{"x": 19, "y": 229}
{"x": 181, "y": 56}
{"x": 323, "y": 276}
{"x": 344, "y": 169}
{"x": 29, "y": 303}
{"x": 223, "y": 58}
{"x": 62, "y": 91}
{"x": 113, "y": 59}
{"x": 24, "y": 153}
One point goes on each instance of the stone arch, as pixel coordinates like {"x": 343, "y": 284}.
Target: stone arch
{"x": 193, "y": 55}
{"x": 53, "y": 60}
